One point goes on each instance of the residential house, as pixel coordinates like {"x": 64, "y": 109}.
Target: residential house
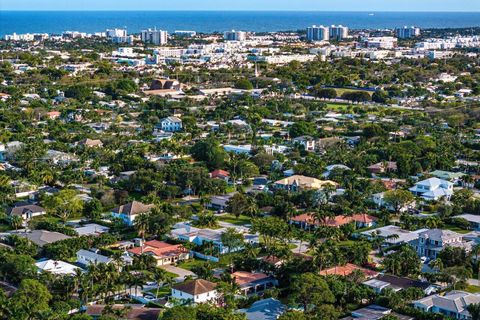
{"x": 88, "y": 257}
{"x": 26, "y": 210}
{"x": 333, "y": 167}
{"x": 56, "y": 267}
{"x": 472, "y": 218}
{"x": 308, "y": 221}
{"x": 348, "y": 269}
{"x": 384, "y": 281}
{"x": 392, "y": 235}
{"x": 130, "y": 211}
{"x": 170, "y": 124}
{"x": 382, "y": 167}
{"x": 196, "y": 291}
{"x": 454, "y": 177}
{"x": 452, "y": 304}
{"x": 306, "y": 141}
{"x": 433, "y": 189}
{"x": 219, "y": 202}
{"x": 133, "y": 312}
{"x": 238, "y": 149}
{"x": 43, "y": 237}
{"x": 164, "y": 253}
{"x": 374, "y": 312}
{"x": 91, "y": 229}
{"x": 431, "y": 242}
{"x": 265, "y": 309}
{"x": 220, "y": 174}
{"x": 91, "y": 143}
{"x": 379, "y": 200}
{"x": 253, "y": 283}
{"x": 201, "y": 236}
{"x": 300, "y": 183}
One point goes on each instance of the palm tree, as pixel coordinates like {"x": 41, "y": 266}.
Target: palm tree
{"x": 474, "y": 310}
{"x": 15, "y": 222}
{"x": 160, "y": 275}
{"x": 436, "y": 264}
{"x": 141, "y": 224}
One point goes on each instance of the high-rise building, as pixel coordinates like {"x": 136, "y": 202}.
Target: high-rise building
{"x": 338, "y": 32}
{"x": 318, "y": 33}
{"x": 112, "y": 33}
{"x": 235, "y": 35}
{"x": 155, "y": 36}
{"x": 407, "y": 32}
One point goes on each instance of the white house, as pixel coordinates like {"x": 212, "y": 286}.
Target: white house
{"x": 452, "y": 304}
{"x": 56, "y": 267}
{"x": 129, "y": 211}
{"x": 195, "y": 291}
{"x": 306, "y": 141}
{"x": 379, "y": 200}
{"x": 170, "y": 124}
{"x": 86, "y": 258}
{"x": 433, "y": 189}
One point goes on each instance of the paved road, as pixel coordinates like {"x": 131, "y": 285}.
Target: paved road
{"x": 182, "y": 273}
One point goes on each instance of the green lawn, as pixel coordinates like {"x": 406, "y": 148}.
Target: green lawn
{"x": 472, "y": 289}
{"x": 192, "y": 263}
{"x": 162, "y": 291}
{"x": 240, "y": 221}
{"x": 341, "y": 91}
{"x": 456, "y": 229}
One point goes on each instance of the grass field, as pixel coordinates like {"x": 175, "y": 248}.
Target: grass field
{"x": 456, "y": 229}
{"x": 472, "y": 289}
{"x": 230, "y": 218}
{"x": 341, "y": 91}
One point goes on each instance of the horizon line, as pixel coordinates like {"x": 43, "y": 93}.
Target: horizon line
{"x": 236, "y": 10}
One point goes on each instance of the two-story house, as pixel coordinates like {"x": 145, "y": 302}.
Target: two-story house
{"x": 130, "y": 211}
{"x": 170, "y": 124}
{"x": 306, "y": 141}
{"x": 195, "y": 291}
{"x": 431, "y": 242}
{"x": 433, "y": 189}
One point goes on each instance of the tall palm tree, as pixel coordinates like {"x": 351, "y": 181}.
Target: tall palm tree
{"x": 141, "y": 224}
{"x": 474, "y": 310}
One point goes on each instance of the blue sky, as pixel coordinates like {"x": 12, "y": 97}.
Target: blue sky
{"x": 304, "y": 5}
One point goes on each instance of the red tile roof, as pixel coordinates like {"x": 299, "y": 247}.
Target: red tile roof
{"x": 243, "y": 277}
{"x": 346, "y": 270}
{"x": 159, "y": 249}
{"x": 219, "y": 173}
{"x": 335, "y": 221}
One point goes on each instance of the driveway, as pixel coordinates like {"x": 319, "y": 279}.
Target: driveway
{"x": 182, "y": 273}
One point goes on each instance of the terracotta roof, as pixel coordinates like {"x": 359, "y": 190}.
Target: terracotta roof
{"x": 135, "y": 313}
{"x": 133, "y": 208}
{"x": 159, "y": 249}
{"x": 195, "y": 287}
{"x": 335, "y": 221}
{"x": 346, "y": 270}
{"x": 219, "y": 173}
{"x": 243, "y": 277}
{"x": 364, "y": 218}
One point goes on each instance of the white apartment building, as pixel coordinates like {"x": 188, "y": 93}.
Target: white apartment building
{"x": 112, "y": 33}
{"x": 407, "y": 32}
{"x": 154, "y": 36}
{"x": 235, "y": 35}
{"x": 380, "y": 42}
{"x": 318, "y": 33}
{"x": 338, "y": 32}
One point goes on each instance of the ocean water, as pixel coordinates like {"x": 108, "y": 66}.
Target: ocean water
{"x": 210, "y": 21}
